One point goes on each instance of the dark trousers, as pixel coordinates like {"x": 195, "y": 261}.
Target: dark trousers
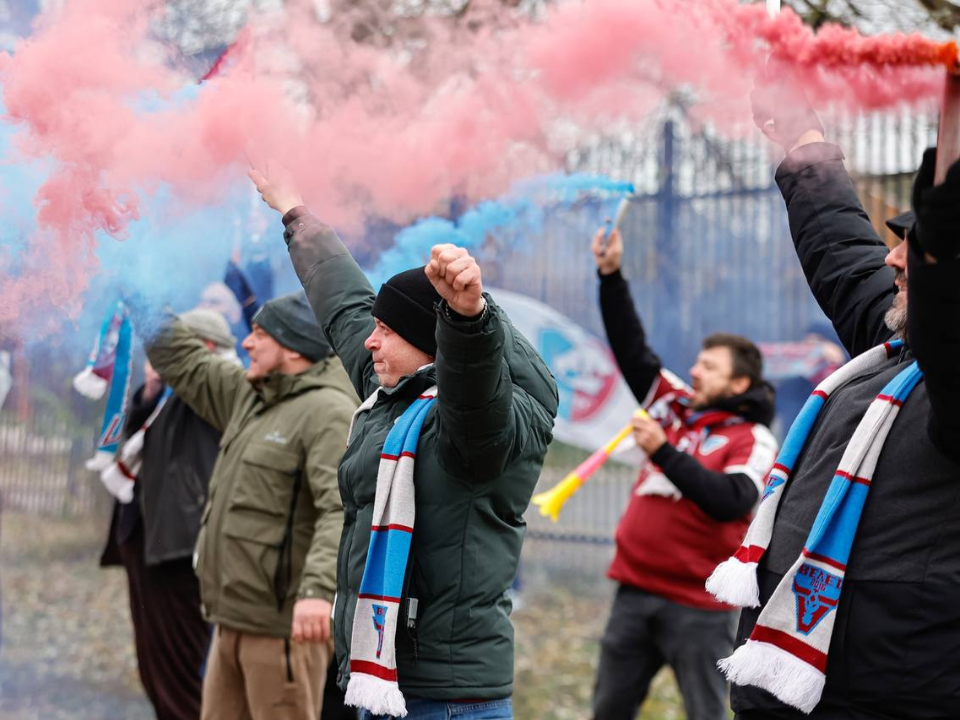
{"x": 333, "y": 697}
{"x": 646, "y": 632}
{"x": 170, "y": 634}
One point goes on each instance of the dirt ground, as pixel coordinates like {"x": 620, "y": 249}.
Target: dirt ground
{"x": 67, "y": 649}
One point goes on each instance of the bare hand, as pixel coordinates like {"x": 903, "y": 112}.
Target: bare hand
{"x": 781, "y": 109}
{"x": 648, "y": 434}
{"x": 277, "y": 187}
{"x": 608, "y": 252}
{"x": 456, "y": 276}
{"x": 311, "y": 620}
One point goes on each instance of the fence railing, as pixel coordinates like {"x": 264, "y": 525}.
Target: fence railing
{"x": 708, "y": 249}
{"x": 41, "y": 467}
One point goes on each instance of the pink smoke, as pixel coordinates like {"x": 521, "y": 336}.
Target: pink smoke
{"x": 386, "y": 135}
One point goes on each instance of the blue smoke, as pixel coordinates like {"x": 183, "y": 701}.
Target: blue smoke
{"x": 521, "y": 212}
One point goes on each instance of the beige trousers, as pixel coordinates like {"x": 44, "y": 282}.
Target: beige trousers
{"x": 257, "y": 677}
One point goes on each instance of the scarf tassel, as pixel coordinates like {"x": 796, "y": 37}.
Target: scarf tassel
{"x": 380, "y": 697}
{"x": 89, "y": 384}
{"x": 793, "y": 681}
{"x": 118, "y": 483}
{"x": 735, "y": 583}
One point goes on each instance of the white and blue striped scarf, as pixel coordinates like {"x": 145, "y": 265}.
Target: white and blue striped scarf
{"x": 786, "y": 653}
{"x": 109, "y": 366}
{"x": 373, "y": 662}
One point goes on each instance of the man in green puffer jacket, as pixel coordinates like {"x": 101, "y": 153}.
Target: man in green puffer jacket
{"x": 266, "y": 552}
{"x": 478, "y": 459}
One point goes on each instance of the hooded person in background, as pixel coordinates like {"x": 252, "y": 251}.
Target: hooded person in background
{"x": 266, "y": 552}
{"x": 443, "y": 458}
{"x": 153, "y": 535}
{"x": 850, "y": 575}
{"x": 709, "y": 449}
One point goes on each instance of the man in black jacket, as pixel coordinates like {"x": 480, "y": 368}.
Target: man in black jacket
{"x": 153, "y": 536}
{"x": 895, "y": 647}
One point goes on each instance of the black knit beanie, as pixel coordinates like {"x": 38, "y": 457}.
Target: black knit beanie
{"x": 290, "y": 321}
{"x": 406, "y": 305}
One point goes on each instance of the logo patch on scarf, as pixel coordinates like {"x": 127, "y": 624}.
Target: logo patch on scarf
{"x": 379, "y": 624}
{"x": 772, "y": 484}
{"x": 114, "y": 430}
{"x": 713, "y": 443}
{"x": 817, "y": 593}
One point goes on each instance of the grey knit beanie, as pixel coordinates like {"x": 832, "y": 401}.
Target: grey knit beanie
{"x": 290, "y": 321}
{"x": 209, "y": 325}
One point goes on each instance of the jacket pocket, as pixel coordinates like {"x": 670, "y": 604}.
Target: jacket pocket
{"x": 250, "y": 551}
{"x": 267, "y": 479}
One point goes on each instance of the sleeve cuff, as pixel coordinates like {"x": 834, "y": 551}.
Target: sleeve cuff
{"x": 293, "y": 214}
{"x": 807, "y": 155}
{"x": 461, "y": 323}
{"x": 315, "y": 592}
{"x": 611, "y": 278}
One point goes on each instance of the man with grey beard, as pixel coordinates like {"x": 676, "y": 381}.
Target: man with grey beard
{"x": 896, "y": 317}
{"x": 894, "y": 652}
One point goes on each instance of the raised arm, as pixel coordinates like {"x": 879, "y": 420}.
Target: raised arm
{"x": 475, "y": 393}
{"x": 638, "y": 364}
{"x": 338, "y": 291}
{"x": 841, "y": 254}
{"x": 208, "y": 384}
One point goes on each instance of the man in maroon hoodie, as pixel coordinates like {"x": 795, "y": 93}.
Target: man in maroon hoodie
{"x": 708, "y": 450}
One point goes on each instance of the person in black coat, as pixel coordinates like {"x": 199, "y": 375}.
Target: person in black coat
{"x": 895, "y": 648}
{"x": 153, "y": 536}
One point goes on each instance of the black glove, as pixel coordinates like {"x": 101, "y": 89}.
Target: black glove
{"x": 780, "y": 107}
{"x": 937, "y": 230}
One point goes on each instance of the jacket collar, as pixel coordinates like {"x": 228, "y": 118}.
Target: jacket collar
{"x": 756, "y": 405}
{"x": 411, "y": 386}
{"x": 277, "y": 387}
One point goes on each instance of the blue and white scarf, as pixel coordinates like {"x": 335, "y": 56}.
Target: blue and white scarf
{"x": 786, "y": 653}
{"x": 373, "y": 662}
{"x": 109, "y": 365}
{"x": 118, "y": 478}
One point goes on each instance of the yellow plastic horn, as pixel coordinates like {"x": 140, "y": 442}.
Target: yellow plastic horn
{"x": 552, "y": 501}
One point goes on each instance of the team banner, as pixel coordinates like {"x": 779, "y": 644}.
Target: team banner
{"x": 595, "y": 401}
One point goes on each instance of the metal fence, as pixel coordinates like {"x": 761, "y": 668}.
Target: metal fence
{"x": 41, "y": 467}
{"x": 707, "y": 242}
{"x": 708, "y": 248}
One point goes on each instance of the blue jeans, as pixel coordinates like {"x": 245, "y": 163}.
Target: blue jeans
{"x": 423, "y": 709}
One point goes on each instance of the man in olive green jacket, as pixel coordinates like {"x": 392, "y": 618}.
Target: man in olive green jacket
{"x": 478, "y": 459}
{"x": 266, "y": 552}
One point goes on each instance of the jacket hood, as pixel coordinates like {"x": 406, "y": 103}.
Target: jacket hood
{"x": 756, "y": 405}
